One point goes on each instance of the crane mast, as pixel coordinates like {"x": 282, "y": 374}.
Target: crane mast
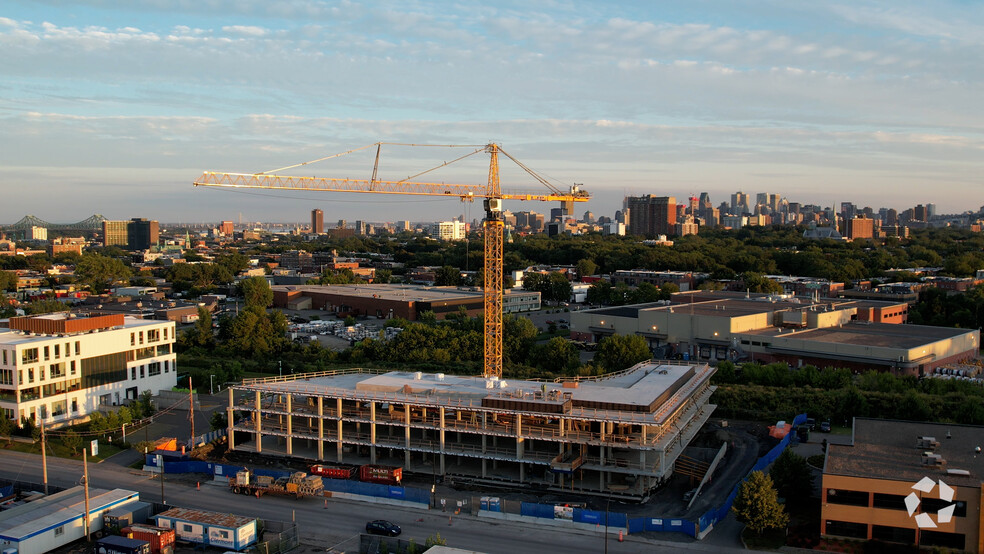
{"x": 493, "y": 226}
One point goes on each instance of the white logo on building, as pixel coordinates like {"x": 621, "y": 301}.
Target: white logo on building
{"x": 924, "y": 520}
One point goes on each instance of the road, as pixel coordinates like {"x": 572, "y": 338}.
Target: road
{"x": 337, "y": 523}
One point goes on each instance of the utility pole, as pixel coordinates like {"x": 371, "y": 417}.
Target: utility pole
{"x": 44, "y": 459}
{"x": 160, "y": 466}
{"x": 85, "y": 483}
{"x": 191, "y": 415}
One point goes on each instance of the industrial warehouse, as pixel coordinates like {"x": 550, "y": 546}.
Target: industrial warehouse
{"x": 797, "y": 330}
{"x": 616, "y": 435}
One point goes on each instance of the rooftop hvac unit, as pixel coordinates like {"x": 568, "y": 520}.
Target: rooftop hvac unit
{"x": 502, "y": 384}
{"x": 418, "y": 376}
{"x": 489, "y": 384}
{"x": 933, "y": 460}
{"x": 440, "y": 376}
{"x": 929, "y": 443}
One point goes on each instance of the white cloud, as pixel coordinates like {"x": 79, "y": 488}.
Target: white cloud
{"x": 245, "y": 30}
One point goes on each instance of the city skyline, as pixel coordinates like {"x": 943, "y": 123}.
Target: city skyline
{"x": 117, "y": 109}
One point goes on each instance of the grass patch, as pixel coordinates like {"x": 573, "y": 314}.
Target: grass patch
{"x": 770, "y": 539}
{"x": 58, "y": 450}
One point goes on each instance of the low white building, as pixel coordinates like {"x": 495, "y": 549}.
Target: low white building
{"x": 59, "y": 519}
{"x": 449, "y": 230}
{"x": 60, "y": 367}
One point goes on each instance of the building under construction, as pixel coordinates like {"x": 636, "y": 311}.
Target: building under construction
{"x": 619, "y": 434}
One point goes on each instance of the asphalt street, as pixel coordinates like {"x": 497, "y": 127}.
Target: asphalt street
{"x": 336, "y": 523}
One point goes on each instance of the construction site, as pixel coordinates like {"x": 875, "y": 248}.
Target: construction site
{"x": 617, "y": 435}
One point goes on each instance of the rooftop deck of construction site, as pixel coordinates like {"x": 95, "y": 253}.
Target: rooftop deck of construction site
{"x": 648, "y": 391}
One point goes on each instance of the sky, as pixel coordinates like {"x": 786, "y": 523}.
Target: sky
{"x": 116, "y": 108}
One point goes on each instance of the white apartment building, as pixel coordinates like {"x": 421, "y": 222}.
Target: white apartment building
{"x": 449, "y": 230}
{"x": 60, "y": 367}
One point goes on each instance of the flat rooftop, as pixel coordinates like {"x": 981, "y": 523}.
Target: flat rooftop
{"x": 886, "y": 449}
{"x": 644, "y": 389}
{"x": 40, "y": 332}
{"x": 403, "y": 293}
{"x": 885, "y": 335}
{"x": 20, "y": 522}
{"x": 214, "y": 519}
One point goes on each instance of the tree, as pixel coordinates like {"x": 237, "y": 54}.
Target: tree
{"x": 46, "y": 306}
{"x": 219, "y": 420}
{"x": 435, "y": 540}
{"x": 447, "y": 276}
{"x": 560, "y": 288}
{"x": 100, "y": 272}
{"x": 72, "y": 440}
{"x": 792, "y": 476}
{"x": 200, "y": 335}
{"x": 6, "y": 427}
{"x": 8, "y": 280}
{"x": 757, "y": 504}
{"x": 585, "y": 267}
{"x": 382, "y": 276}
{"x": 619, "y": 352}
{"x": 558, "y": 355}
{"x": 256, "y": 290}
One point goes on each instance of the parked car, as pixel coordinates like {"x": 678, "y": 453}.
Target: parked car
{"x": 811, "y": 423}
{"x": 824, "y": 426}
{"x": 383, "y": 527}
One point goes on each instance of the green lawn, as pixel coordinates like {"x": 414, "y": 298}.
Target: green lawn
{"x": 58, "y": 450}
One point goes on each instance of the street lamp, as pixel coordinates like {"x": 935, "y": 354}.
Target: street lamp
{"x": 608, "y": 506}
{"x": 160, "y": 466}
{"x": 210, "y": 377}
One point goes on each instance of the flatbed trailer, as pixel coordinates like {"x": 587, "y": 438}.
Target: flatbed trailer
{"x": 298, "y": 484}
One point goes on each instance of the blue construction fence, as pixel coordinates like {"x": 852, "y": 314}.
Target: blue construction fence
{"x": 715, "y": 515}
{"x": 668, "y": 525}
{"x": 410, "y": 494}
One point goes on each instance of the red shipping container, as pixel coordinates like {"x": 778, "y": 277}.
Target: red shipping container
{"x": 161, "y": 539}
{"x": 381, "y": 474}
{"x": 332, "y": 472}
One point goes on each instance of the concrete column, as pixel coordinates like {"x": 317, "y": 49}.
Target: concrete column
{"x": 372, "y": 431}
{"x": 229, "y": 417}
{"x": 290, "y": 426}
{"x": 441, "y": 439}
{"x": 519, "y": 441}
{"x": 644, "y": 427}
{"x": 321, "y": 427}
{"x": 338, "y": 434}
{"x": 258, "y": 422}
{"x": 485, "y": 446}
{"x": 406, "y": 434}
{"x": 561, "y": 426}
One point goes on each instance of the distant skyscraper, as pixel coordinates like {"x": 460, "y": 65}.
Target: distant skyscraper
{"x": 556, "y": 214}
{"x": 317, "y": 221}
{"x": 402, "y": 226}
{"x": 360, "y": 227}
{"x": 226, "y": 228}
{"x": 142, "y": 234}
{"x": 651, "y": 215}
{"x": 739, "y": 203}
{"x": 930, "y": 211}
{"x": 891, "y": 217}
{"x": 919, "y": 213}
{"x": 341, "y": 224}
{"x": 588, "y": 217}
{"x": 114, "y": 233}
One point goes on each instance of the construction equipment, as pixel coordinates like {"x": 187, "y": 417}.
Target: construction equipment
{"x": 492, "y": 196}
{"x": 298, "y": 484}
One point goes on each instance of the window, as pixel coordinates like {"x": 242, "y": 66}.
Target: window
{"x": 133, "y": 339}
{"x": 153, "y": 335}
{"x": 29, "y": 355}
{"x": 165, "y": 365}
{"x": 141, "y": 337}
{"x": 68, "y": 349}
{"x": 850, "y": 498}
{"x": 4, "y": 357}
{"x": 59, "y": 531}
{"x": 6, "y": 377}
{"x": 165, "y": 333}
{"x": 938, "y": 538}
{"x": 72, "y": 366}
{"x": 57, "y": 370}
{"x": 893, "y": 534}
{"x": 933, "y": 505}
{"x": 133, "y": 373}
{"x": 75, "y": 405}
{"x": 154, "y": 368}
{"x": 847, "y": 529}
{"x": 78, "y": 348}
{"x": 889, "y": 501}
{"x": 142, "y": 372}
{"x": 186, "y": 528}
{"x": 47, "y": 353}
{"x": 57, "y": 351}
{"x": 222, "y": 533}
{"x": 30, "y": 375}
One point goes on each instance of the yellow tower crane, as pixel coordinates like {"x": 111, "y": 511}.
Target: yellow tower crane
{"x": 493, "y": 224}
